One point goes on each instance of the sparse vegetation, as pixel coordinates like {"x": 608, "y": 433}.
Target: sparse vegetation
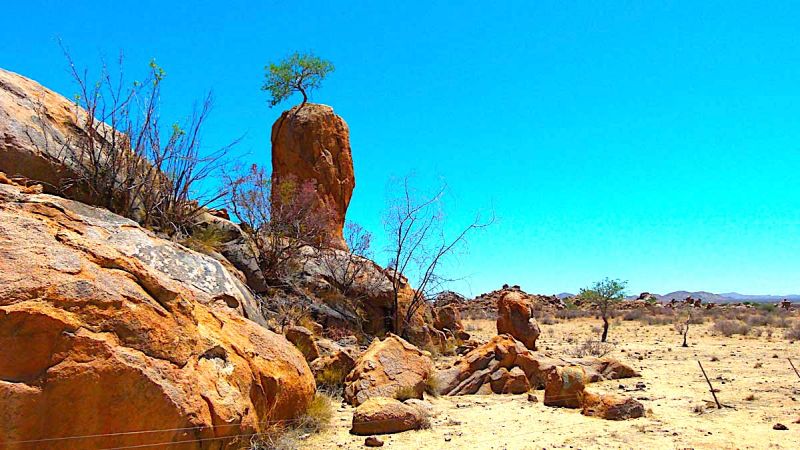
{"x": 206, "y": 240}
{"x": 592, "y": 347}
{"x": 728, "y": 328}
{"x": 128, "y": 161}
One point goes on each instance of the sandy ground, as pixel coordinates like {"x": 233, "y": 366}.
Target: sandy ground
{"x": 674, "y": 387}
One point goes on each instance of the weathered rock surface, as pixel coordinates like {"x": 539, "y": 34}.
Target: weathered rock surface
{"x": 313, "y": 143}
{"x": 565, "y": 387}
{"x": 388, "y": 368}
{"x": 500, "y": 362}
{"x": 515, "y": 317}
{"x": 303, "y": 339}
{"x": 382, "y": 415}
{"x": 38, "y": 131}
{"x": 447, "y": 318}
{"x": 611, "y": 406}
{"x": 333, "y": 369}
{"x": 105, "y": 328}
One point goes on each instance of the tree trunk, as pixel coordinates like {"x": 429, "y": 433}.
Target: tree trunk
{"x": 605, "y": 329}
{"x": 685, "y": 332}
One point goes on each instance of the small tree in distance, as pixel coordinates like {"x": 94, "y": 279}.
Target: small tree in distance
{"x": 604, "y": 294}
{"x": 298, "y": 73}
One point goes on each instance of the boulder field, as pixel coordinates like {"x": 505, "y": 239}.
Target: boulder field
{"x": 106, "y": 328}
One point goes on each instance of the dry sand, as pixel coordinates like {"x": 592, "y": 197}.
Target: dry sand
{"x": 674, "y": 387}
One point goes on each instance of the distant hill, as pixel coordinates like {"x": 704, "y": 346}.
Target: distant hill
{"x": 564, "y": 295}
{"x": 728, "y": 297}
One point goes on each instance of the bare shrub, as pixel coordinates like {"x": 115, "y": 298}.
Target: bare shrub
{"x": 415, "y": 226}
{"x": 548, "y": 319}
{"x": 592, "y": 347}
{"x": 280, "y": 220}
{"x": 793, "y": 333}
{"x": 728, "y": 327}
{"x": 127, "y": 160}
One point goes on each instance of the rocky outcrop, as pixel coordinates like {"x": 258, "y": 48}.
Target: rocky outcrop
{"x": 490, "y": 367}
{"x": 105, "y": 328}
{"x": 385, "y": 415}
{"x": 515, "y": 317}
{"x": 313, "y": 143}
{"x": 389, "y": 368}
{"x": 611, "y": 406}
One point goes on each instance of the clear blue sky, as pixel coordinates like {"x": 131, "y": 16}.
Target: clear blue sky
{"x": 657, "y": 142}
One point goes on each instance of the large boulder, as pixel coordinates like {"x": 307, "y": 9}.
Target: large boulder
{"x": 515, "y": 317}
{"x": 313, "y": 143}
{"x": 388, "y": 368}
{"x": 448, "y": 318}
{"x": 565, "y": 387}
{"x": 39, "y": 132}
{"x": 611, "y": 406}
{"x": 107, "y": 329}
{"x": 382, "y": 415}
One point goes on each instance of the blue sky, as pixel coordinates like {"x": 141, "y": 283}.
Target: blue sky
{"x": 656, "y": 142}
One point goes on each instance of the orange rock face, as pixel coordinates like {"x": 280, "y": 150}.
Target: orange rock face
{"x": 611, "y": 406}
{"x": 565, "y": 387}
{"x": 313, "y": 143}
{"x": 388, "y": 368}
{"x": 515, "y": 317}
{"x": 105, "y": 328}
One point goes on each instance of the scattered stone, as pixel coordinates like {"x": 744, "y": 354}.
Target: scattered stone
{"x": 373, "y": 441}
{"x": 780, "y": 426}
{"x": 382, "y": 415}
{"x": 533, "y": 398}
{"x": 611, "y": 406}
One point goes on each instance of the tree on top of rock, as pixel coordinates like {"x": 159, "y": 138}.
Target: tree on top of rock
{"x": 298, "y": 73}
{"x": 604, "y": 294}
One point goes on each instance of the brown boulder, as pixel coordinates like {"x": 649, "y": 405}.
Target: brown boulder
{"x": 105, "y": 328}
{"x": 389, "y": 368}
{"x": 382, "y": 415}
{"x": 303, "y": 339}
{"x": 313, "y": 143}
{"x": 515, "y": 317}
{"x": 332, "y": 369}
{"x": 611, "y": 406}
{"x": 565, "y": 387}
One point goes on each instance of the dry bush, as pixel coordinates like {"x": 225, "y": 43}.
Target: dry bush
{"x": 129, "y": 161}
{"x": 566, "y": 314}
{"x": 281, "y": 219}
{"x": 287, "y": 437}
{"x": 634, "y": 314}
{"x": 548, "y": 319}
{"x": 206, "y": 240}
{"x": 591, "y": 347}
{"x": 331, "y": 380}
{"x": 405, "y": 393}
{"x": 793, "y": 333}
{"x": 728, "y": 328}
{"x": 433, "y": 385}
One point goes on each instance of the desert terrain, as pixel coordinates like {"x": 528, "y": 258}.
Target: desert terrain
{"x": 755, "y": 381}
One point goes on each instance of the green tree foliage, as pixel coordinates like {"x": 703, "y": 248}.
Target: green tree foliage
{"x": 604, "y": 294}
{"x": 298, "y": 73}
